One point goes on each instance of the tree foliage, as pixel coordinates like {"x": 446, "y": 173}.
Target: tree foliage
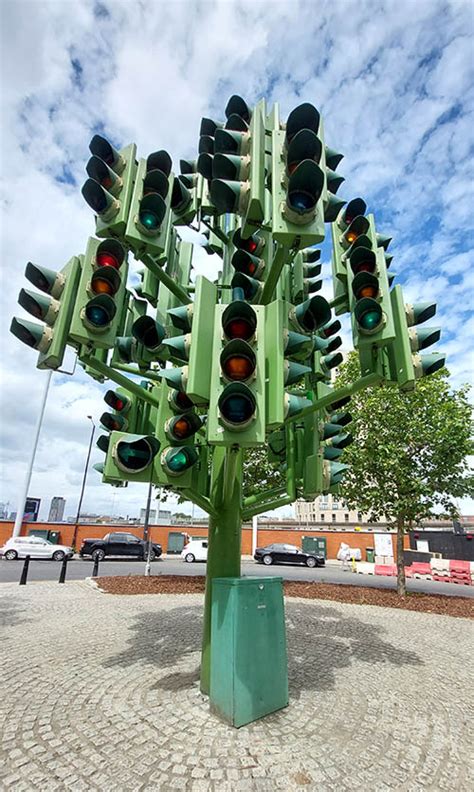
{"x": 410, "y": 449}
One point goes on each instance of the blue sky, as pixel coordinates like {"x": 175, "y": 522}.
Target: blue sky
{"x": 393, "y": 81}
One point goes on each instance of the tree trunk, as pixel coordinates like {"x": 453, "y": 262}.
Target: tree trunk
{"x": 401, "y": 583}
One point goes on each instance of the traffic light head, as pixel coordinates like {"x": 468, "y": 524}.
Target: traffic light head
{"x": 104, "y": 283}
{"x": 149, "y": 332}
{"x": 311, "y": 314}
{"x": 54, "y": 307}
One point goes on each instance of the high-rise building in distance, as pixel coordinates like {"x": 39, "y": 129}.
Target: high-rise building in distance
{"x": 56, "y": 510}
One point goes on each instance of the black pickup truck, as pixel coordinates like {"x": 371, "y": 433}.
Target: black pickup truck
{"x": 119, "y": 544}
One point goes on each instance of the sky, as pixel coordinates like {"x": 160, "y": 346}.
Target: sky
{"x": 392, "y": 80}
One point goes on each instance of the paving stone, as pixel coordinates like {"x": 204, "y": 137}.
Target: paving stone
{"x": 379, "y": 700}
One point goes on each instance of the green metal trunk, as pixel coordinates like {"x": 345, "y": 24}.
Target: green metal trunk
{"x": 249, "y": 677}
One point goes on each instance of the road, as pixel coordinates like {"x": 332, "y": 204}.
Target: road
{"x": 78, "y": 569}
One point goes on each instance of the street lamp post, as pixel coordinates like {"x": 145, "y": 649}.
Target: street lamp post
{"x": 83, "y": 482}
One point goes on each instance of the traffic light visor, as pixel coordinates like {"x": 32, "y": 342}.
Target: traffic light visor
{"x": 96, "y": 196}
{"x": 159, "y": 160}
{"x": 226, "y": 195}
{"x": 238, "y": 106}
{"x": 29, "y": 333}
{"x": 110, "y": 253}
{"x": 365, "y": 285}
{"x": 305, "y": 116}
{"x": 304, "y": 146}
{"x": 313, "y": 313}
{"x": 105, "y": 280}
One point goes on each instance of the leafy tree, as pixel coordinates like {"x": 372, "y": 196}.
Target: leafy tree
{"x": 409, "y": 453}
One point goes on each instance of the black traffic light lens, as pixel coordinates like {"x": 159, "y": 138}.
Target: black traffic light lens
{"x": 100, "y": 311}
{"x": 137, "y": 455}
{"x": 239, "y": 320}
{"x": 237, "y": 405}
{"x": 181, "y": 401}
{"x": 301, "y": 201}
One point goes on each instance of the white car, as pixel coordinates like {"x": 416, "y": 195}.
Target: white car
{"x": 35, "y": 547}
{"x": 195, "y": 550}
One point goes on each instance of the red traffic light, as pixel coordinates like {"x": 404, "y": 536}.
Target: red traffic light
{"x": 239, "y": 320}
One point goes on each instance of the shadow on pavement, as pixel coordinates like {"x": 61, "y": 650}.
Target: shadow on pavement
{"x": 10, "y": 615}
{"x": 320, "y": 642}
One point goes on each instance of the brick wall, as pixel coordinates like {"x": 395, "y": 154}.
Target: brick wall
{"x": 159, "y": 533}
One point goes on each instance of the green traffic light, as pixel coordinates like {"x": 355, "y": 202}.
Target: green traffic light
{"x": 176, "y": 461}
{"x": 368, "y": 314}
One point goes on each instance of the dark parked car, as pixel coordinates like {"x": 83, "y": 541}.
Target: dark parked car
{"x": 287, "y": 554}
{"x": 118, "y": 544}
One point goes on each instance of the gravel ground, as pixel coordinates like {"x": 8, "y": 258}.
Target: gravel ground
{"x": 174, "y": 584}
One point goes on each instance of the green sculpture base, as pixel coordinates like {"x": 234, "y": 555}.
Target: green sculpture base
{"x": 249, "y": 676}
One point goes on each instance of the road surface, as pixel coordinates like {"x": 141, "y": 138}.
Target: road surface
{"x": 78, "y": 569}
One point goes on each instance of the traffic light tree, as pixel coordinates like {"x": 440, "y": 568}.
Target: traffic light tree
{"x": 410, "y": 452}
{"x": 210, "y": 373}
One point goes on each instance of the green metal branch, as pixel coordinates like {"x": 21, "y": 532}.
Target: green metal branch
{"x": 276, "y": 267}
{"x": 251, "y": 500}
{"x": 124, "y": 382}
{"x": 137, "y": 372}
{"x": 201, "y": 501}
{"x": 166, "y": 279}
{"x": 336, "y": 395}
{"x": 232, "y": 459}
{"x": 275, "y": 504}
{"x": 220, "y": 234}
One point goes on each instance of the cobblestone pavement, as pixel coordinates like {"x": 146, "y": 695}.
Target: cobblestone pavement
{"x": 102, "y": 693}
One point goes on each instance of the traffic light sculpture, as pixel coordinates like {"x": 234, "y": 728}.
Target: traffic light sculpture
{"x": 240, "y": 361}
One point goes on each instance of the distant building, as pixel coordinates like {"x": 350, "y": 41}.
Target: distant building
{"x": 151, "y": 518}
{"x": 328, "y": 510}
{"x": 4, "y": 511}
{"x": 56, "y": 510}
